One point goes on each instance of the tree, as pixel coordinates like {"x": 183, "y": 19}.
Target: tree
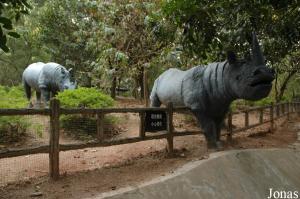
{"x": 9, "y": 10}
{"x": 23, "y": 51}
{"x": 208, "y": 28}
{"x": 289, "y": 67}
{"x": 130, "y": 30}
{"x": 101, "y": 39}
{"x": 212, "y": 26}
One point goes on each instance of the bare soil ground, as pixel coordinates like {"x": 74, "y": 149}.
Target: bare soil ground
{"x": 91, "y": 171}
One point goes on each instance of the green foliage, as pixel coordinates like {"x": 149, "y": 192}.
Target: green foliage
{"x": 9, "y": 10}
{"x": 85, "y": 98}
{"x": 212, "y": 26}
{"x": 109, "y": 43}
{"x": 39, "y": 129}
{"x": 262, "y": 102}
{"x": 244, "y": 104}
{"x": 12, "y": 97}
{"x": 12, "y": 128}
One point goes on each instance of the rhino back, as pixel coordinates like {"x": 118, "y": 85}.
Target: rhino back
{"x": 31, "y": 74}
{"x": 194, "y": 92}
{"x": 169, "y": 86}
{"x": 49, "y": 76}
{"x": 204, "y": 89}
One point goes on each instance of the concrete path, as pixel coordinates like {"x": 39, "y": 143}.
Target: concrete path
{"x": 231, "y": 174}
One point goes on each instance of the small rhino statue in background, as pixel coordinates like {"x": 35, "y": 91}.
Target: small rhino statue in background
{"x": 208, "y": 91}
{"x": 46, "y": 79}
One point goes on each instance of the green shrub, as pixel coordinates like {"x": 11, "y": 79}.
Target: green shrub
{"x": 12, "y": 128}
{"x": 264, "y": 102}
{"x": 244, "y": 104}
{"x": 13, "y": 97}
{"x": 85, "y": 98}
{"x": 83, "y": 127}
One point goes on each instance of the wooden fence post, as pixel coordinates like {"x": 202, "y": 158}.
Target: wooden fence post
{"x": 261, "y": 115}
{"x": 146, "y": 89}
{"x": 229, "y": 136}
{"x": 54, "y": 139}
{"x": 288, "y": 111}
{"x": 272, "y": 117}
{"x": 142, "y": 124}
{"x": 100, "y": 126}
{"x": 294, "y": 107}
{"x": 246, "y": 118}
{"x": 170, "y": 146}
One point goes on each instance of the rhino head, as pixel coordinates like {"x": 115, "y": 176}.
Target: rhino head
{"x": 64, "y": 80}
{"x": 250, "y": 78}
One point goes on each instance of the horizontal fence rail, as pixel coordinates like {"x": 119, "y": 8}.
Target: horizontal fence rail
{"x": 12, "y": 112}
{"x": 273, "y": 112}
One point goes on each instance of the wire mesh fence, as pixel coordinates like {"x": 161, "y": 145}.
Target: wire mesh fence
{"x": 82, "y": 132}
{"x": 82, "y": 128}
{"x": 23, "y": 168}
{"x": 21, "y": 132}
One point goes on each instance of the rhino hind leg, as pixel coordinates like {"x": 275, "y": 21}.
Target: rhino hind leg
{"x": 154, "y": 101}
{"x": 28, "y": 94}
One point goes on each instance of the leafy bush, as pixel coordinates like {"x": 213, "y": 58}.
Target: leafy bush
{"x": 12, "y": 128}
{"x": 83, "y": 127}
{"x": 12, "y": 97}
{"x": 244, "y": 104}
{"x": 264, "y": 101}
{"x": 84, "y": 98}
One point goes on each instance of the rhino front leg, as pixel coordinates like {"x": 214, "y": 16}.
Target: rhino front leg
{"x": 45, "y": 96}
{"x": 38, "y": 98}
{"x": 211, "y": 130}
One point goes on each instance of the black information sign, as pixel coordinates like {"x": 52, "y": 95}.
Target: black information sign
{"x": 155, "y": 121}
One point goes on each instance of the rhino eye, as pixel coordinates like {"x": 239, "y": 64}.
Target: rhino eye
{"x": 238, "y": 77}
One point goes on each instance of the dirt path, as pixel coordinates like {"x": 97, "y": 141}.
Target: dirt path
{"x": 119, "y": 166}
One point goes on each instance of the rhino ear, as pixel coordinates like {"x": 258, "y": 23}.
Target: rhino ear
{"x": 62, "y": 71}
{"x": 231, "y": 57}
{"x": 70, "y": 70}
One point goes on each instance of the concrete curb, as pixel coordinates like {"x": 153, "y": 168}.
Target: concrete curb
{"x": 227, "y": 174}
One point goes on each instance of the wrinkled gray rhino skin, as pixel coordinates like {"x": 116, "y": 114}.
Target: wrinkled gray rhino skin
{"x": 208, "y": 91}
{"x": 46, "y": 79}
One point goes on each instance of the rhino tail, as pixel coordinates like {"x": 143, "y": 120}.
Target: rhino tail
{"x": 154, "y": 100}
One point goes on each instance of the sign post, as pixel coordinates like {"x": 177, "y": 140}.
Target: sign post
{"x": 155, "y": 121}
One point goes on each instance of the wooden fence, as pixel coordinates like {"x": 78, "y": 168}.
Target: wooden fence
{"x": 274, "y": 112}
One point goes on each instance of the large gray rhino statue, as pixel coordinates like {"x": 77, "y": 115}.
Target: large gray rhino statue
{"x": 208, "y": 91}
{"x": 46, "y": 79}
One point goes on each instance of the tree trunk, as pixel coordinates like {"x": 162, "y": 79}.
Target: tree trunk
{"x": 284, "y": 85}
{"x": 113, "y": 87}
{"x": 276, "y": 87}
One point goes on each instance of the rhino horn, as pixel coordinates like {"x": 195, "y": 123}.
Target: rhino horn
{"x": 258, "y": 57}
